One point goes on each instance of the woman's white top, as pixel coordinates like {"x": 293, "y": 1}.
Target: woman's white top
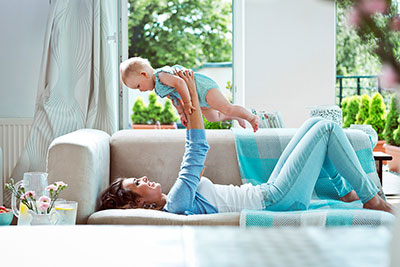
{"x": 231, "y": 198}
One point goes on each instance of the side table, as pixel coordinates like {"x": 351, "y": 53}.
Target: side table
{"x": 379, "y": 157}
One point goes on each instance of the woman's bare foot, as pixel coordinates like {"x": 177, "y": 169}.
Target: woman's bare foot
{"x": 350, "y": 197}
{"x": 254, "y": 122}
{"x": 377, "y": 203}
{"x": 242, "y": 123}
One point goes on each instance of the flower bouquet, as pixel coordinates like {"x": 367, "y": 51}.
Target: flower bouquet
{"x": 41, "y": 205}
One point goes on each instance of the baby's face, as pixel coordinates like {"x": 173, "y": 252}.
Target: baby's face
{"x": 142, "y": 82}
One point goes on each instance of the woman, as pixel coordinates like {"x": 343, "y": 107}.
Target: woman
{"x": 318, "y": 143}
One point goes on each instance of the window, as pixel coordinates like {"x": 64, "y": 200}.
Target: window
{"x": 188, "y": 33}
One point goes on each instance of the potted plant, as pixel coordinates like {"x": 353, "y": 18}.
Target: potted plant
{"x": 218, "y": 125}
{"x": 363, "y": 111}
{"x": 140, "y": 114}
{"x": 376, "y": 119}
{"x": 351, "y": 110}
{"x": 154, "y": 116}
{"x": 392, "y": 135}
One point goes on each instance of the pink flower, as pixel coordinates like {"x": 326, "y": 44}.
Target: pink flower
{"x": 43, "y": 206}
{"x": 22, "y": 197}
{"x": 372, "y": 6}
{"x": 51, "y": 187}
{"x": 60, "y": 184}
{"x": 44, "y": 199}
{"x": 354, "y": 17}
{"x": 390, "y": 78}
{"x": 30, "y": 194}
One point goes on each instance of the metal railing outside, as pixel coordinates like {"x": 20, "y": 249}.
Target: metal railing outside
{"x": 357, "y": 85}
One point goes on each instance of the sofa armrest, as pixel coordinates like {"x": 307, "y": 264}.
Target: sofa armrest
{"x": 82, "y": 160}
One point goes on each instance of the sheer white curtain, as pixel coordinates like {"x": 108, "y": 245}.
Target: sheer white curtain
{"x": 78, "y": 85}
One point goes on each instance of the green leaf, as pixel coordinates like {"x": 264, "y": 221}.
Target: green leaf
{"x": 184, "y": 32}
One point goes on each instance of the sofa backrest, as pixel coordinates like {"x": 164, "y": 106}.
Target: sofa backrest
{"x": 157, "y": 154}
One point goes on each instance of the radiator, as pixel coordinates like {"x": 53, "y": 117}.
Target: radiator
{"x": 13, "y": 135}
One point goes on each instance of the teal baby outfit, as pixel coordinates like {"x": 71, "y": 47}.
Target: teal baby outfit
{"x": 203, "y": 85}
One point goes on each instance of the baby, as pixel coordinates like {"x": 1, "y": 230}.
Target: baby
{"x": 137, "y": 73}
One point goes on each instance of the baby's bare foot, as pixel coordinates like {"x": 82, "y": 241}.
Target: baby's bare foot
{"x": 254, "y": 122}
{"x": 350, "y": 197}
{"x": 377, "y": 203}
{"x": 242, "y": 123}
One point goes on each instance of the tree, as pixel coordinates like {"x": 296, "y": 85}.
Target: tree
{"x": 392, "y": 122}
{"x": 376, "y": 116}
{"x": 352, "y": 108}
{"x": 184, "y": 32}
{"x": 354, "y": 56}
{"x": 154, "y": 112}
{"x": 168, "y": 114}
{"x": 378, "y": 21}
{"x": 140, "y": 114}
{"x": 154, "y": 108}
{"x": 363, "y": 111}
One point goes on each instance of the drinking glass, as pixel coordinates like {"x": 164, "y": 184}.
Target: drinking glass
{"x": 67, "y": 211}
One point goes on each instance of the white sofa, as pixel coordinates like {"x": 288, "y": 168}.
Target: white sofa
{"x": 88, "y": 160}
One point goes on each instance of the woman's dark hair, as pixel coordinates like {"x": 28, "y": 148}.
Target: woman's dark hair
{"x": 117, "y": 197}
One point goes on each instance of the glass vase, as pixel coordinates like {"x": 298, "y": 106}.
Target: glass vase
{"x": 44, "y": 219}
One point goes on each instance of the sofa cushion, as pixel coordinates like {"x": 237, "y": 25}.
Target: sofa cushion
{"x": 157, "y": 154}
{"x": 155, "y": 217}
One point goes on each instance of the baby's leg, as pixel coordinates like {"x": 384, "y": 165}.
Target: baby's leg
{"x": 213, "y": 115}
{"x": 217, "y": 101}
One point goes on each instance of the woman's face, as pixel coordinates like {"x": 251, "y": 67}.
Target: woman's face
{"x": 150, "y": 192}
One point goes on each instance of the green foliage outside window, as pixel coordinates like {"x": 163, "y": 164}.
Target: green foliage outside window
{"x": 217, "y": 125}
{"x": 352, "y": 107}
{"x": 377, "y": 114}
{"x": 355, "y": 55}
{"x": 392, "y": 122}
{"x": 154, "y": 112}
{"x": 355, "y": 110}
{"x": 154, "y": 109}
{"x": 184, "y": 32}
{"x": 167, "y": 114}
{"x": 363, "y": 111}
{"x": 396, "y": 137}
{"x": 139, "y": 115}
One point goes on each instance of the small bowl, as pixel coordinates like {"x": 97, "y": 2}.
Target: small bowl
{"x": 6, "y": 218}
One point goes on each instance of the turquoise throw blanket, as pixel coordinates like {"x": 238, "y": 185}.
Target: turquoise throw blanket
{"x": 258, "y": 154}
{"x": 316, "y": 217}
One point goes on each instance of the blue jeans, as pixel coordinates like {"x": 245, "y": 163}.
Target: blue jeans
{"x": 318, "y": 145}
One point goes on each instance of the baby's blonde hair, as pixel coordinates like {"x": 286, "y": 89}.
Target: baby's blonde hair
{"x": 133, "y": 66}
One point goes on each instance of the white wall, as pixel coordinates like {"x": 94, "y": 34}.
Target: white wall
{"x": 288, "y": 48}
{"x": 22, "y": 29}
{"x": 221, "y": 75}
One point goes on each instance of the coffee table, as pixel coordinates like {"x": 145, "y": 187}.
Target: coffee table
{"x": 106, "y": 245}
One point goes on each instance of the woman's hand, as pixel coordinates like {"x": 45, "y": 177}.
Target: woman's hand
{"x": 187, "y": 76}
